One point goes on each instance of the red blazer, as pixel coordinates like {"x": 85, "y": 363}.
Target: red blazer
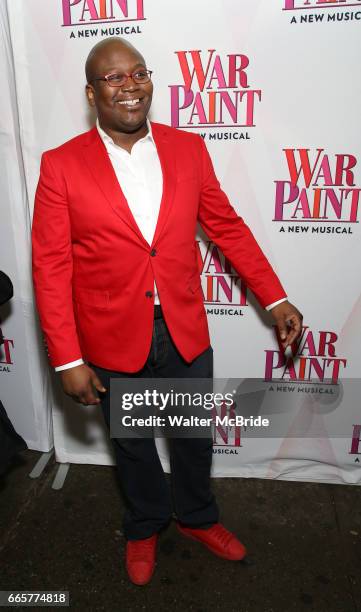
{"x": 93, "y": 271}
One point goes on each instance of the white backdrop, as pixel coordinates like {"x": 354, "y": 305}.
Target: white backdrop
{"x": 301, "y": 61}
{"x": 24, "y": 379}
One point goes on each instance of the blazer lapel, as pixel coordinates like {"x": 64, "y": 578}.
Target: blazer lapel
{"x": 101, "y": 168}
{"x": 166, "y": 155}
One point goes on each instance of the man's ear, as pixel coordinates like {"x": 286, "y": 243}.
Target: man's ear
{"x": 89, "y": 90}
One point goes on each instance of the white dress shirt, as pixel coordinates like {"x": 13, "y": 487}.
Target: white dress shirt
{"x": 139, "y": 174}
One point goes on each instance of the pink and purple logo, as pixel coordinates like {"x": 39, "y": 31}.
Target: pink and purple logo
{"x": 224, "y": 435}
{"x": 6, "y": 353}
{"x": 356, "y": 441}
{"x": 215, "y": 91}
{"x": 301, "y": 13}
{"x": 222, "y": 286}
{"x": 313, "y": 359}
{"x": 293, "y": 5}
{"x": 83, "y": 12}
{"x": 321, "y": 188}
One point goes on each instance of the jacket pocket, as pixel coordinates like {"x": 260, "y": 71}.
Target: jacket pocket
{"x": 91, "y": 297}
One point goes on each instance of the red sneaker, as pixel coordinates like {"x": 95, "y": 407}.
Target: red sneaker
{"x": 140, "y": 559}
{"x": 218, "y": 539}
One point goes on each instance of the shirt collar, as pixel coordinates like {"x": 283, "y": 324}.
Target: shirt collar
{"x": 109, "y": 141}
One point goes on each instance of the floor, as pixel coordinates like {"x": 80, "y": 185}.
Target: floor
{"x": 303, "y": 541}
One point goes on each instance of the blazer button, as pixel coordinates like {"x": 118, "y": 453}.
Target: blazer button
{"x": 153, "y": 252}
{"x": 149, "y": 294}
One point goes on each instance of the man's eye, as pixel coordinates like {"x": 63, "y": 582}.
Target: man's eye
{"x": 141, "y": 74}
{"x": 115, "y": 77}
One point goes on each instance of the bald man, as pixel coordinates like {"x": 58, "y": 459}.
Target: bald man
{"x": 118, "y": 287}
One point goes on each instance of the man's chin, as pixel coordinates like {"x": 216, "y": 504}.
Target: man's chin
{"x": 131, "y": 128}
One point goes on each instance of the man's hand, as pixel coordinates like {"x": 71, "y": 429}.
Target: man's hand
{"x": 81, "y": 384}
{"x": 289, "y": 322}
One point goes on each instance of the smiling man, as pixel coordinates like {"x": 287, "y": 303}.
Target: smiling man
{"x": 122, "y": 99}
{"x": 118, "y": 287}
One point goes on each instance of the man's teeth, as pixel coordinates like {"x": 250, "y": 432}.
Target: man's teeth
{"x": 129, "y": 102}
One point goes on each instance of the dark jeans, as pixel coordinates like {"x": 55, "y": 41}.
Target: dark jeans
{"x": 149, "y": 500}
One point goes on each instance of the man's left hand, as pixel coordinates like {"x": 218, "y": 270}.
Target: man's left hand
{"x": 289, "y": 322}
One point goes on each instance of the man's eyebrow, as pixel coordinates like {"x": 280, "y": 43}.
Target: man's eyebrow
{"x": 140, "y": 65}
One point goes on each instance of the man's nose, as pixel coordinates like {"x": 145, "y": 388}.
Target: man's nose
{"x": 129, "y": 84}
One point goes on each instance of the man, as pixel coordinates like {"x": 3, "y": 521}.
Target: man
{"x": 117, "y": 284}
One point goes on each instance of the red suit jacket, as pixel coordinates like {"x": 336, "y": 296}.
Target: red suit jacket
{"x": 93, "y": 271}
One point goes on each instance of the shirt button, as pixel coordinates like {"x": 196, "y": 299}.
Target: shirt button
{"x": 149, "y": 294}
{"x": 153, "y": 252}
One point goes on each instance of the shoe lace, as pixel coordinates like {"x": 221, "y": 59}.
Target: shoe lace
{"x": 140, "y": 550}
{"x": 222, "y": 534}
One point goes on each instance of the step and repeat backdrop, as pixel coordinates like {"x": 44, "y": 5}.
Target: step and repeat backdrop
{"x": 274, "y": 89}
